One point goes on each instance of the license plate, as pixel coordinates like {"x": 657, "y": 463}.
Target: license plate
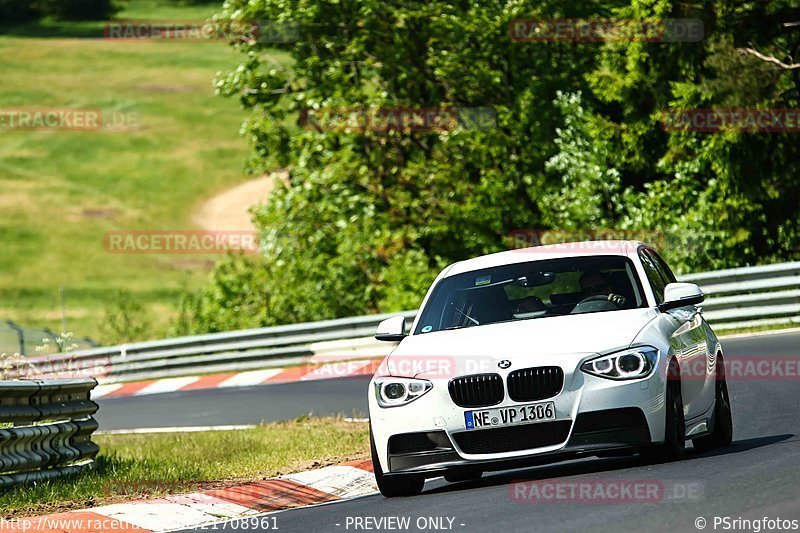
{"x": 509, "y": 416}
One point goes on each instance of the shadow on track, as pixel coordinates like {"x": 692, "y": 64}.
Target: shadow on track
{"x": 594, "y": 465}
{"x": 745, "y": 445}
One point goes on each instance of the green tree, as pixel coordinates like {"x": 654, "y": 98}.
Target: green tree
{"x": 16, "y": 11}
{"x": 125, "y": 320}
{"x": 78, "y": 9}
{"x": 368, "y": 217}
{"x": 735, "y": 193}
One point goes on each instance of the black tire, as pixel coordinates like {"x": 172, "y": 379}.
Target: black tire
{"x": 674, "y": 446}
{"x": 721, "y": 434}
{"x": 394, "y": 486}
{"x": 458, "y": 477}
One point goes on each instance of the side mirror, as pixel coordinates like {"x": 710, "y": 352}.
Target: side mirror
{"x": 392, "y": 329}
{"x": 681, "y": 294}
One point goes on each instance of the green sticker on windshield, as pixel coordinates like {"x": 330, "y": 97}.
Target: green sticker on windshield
{"x": 483, "y": 280}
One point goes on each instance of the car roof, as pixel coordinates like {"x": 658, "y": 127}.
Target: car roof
{"x": 549, "y": 251}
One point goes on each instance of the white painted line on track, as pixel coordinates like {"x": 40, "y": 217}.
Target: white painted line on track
{"x": 758, "y": 333}
{"x": 165, "y": 515}
{"x": 167, "y": 385}
{"x": 246, "y": 379}
{"x": 104, "y": 390}
{"x": 187, "y": 429}
{"x": 342, "y": 481}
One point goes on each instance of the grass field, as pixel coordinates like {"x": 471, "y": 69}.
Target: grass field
{"x": 63, "y": 190}
{"x": 180, "y": 10}
{"x": 132, "y": 467}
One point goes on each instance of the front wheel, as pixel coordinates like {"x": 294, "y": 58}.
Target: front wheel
{"x": 674, "y": 446}
{"x": 393, "y": 486}
{"x": 722, "y": 430}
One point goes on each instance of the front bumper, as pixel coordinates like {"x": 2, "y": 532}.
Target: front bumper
{"x": 609, "y": 431}
{"x": 594, "y": 416}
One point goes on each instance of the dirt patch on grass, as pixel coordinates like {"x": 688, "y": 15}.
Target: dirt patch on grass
{"x": 100, "y": 213}
{"x": 229, "y": 209}
{"x": 181, "y": 89}
{"x": 193, "y": 264}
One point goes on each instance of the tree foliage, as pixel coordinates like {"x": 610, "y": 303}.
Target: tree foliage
{"x": 124, "y": 320}
{"x": 16, "y": 11}
{"x": 369, "y": 217}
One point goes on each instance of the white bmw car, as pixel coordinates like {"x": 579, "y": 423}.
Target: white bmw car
{"x": 543, "y": 354}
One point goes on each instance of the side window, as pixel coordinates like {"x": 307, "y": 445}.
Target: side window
{"x": 655, "y": 279}
{"x": 662, "y": 267}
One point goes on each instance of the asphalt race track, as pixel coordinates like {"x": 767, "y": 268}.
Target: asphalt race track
{"x": 236, "y": 406}
{"x": 757, "y": 477}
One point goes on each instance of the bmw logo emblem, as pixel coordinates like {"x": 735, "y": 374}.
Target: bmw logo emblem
{"x": 505, "y": 363}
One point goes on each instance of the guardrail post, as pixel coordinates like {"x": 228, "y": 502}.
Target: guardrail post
{"x": 20, "y": 334}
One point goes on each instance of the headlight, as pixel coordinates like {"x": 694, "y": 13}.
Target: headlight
{"x": 392, "y": 392}
{"x": 631, "y": 364}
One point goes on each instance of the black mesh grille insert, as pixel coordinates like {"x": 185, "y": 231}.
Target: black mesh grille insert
{"x": 531, "y": 384}
{"x": 418, "y": 442}
{"x": 610, "y": 419}
{"x": 479, "y": 390}
{"x": 513, "y": 438}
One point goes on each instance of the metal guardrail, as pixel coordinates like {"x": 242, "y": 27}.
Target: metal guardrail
{"x": 46, "y": 429}
{"x": 740, "y": 297}
{"x": 210, "y": 353}
{"x": 751, "y": 296}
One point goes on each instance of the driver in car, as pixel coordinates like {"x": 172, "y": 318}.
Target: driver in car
{"x": 596, "y": 285}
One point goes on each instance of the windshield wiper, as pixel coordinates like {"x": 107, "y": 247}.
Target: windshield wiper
{"x": 465, "y": 315}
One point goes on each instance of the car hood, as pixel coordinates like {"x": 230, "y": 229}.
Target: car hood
{"x": 539, "y": 340}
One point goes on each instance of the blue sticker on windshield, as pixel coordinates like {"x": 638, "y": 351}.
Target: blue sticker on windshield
{"x": 483, "y": 280}
{"x": 426, "y": 329}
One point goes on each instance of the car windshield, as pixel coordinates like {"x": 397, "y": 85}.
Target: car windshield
{"x": 536, "y": 289}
